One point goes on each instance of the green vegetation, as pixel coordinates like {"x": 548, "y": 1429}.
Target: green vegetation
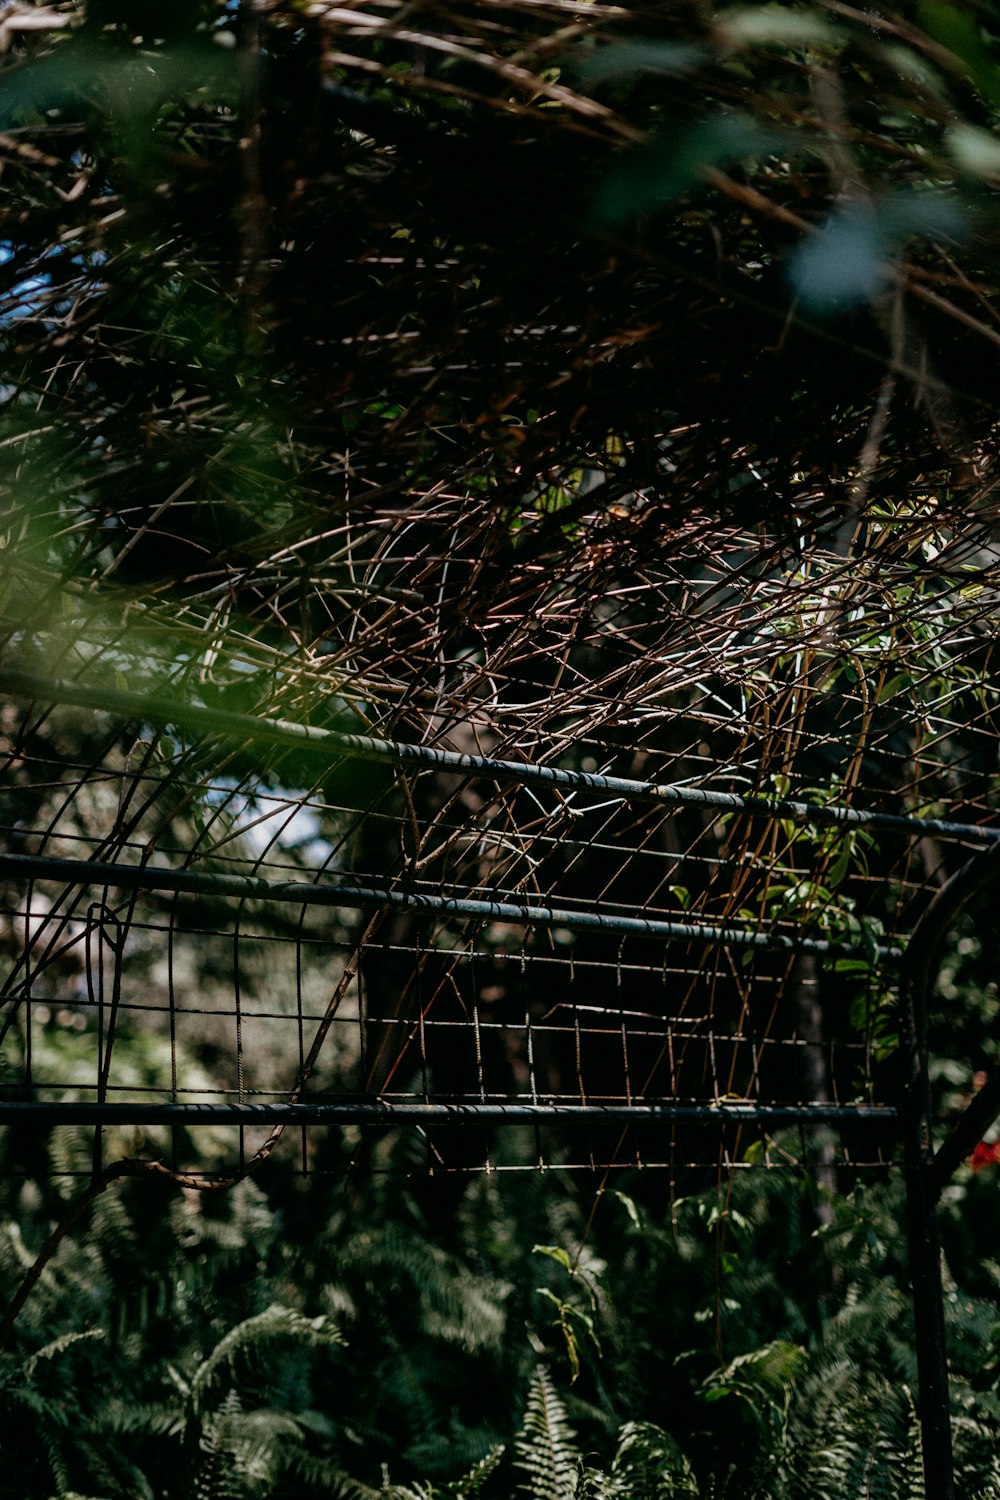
{"x": 292, "y": 1340}
{"x": 607, "y": 387}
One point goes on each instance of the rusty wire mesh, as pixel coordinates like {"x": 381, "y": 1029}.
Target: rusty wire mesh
{"x": 432, "y": 934}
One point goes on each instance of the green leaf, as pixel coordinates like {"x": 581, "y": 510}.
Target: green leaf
{"x": 838, "y": 870}
{"x": 975, "y": 151}
{"x": 628, "y": 1204}
{"x": 555, "y": 1252}
{"x": 614, "y": 61}
{"x": 846, "y": 263}
{"x": 959, "y": 28}
{"x": 650, "y": 175}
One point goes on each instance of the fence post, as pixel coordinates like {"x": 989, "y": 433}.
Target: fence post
{"x": 923, "y": 1179}
{"x": 934, "y": 1403}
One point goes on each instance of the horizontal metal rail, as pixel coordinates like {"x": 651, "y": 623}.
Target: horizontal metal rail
{"x": 329, "y": 744}
{"x": 305, "y": 893}
{"x": 385, "y": 1112}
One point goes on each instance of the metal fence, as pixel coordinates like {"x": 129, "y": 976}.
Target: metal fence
{"x": 654, "y": 876}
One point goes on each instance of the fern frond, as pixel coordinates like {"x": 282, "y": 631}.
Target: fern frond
{"x": 112, "y": 1227}
{"x": 75, "y": 1495}
{"x": 318, "y": 1472}
{"x": 109, "y": 1469}
{"x": 545, "y": 1445}
{"x": 457, "y": 1305}
{"x": 248, "y": 1337}
{"x": 847, "y": 1435}
{"x": 596, "y": 1484}
{"x": 216, "y": 1480}
{"x": 257, "y": 1438}
{"x": 468, "y": 1487}
{"x": 914, "y": 1461}
{"x": 119, "y": 1416}
{"x": 977, "y": 1460}
{"x": 56, "y": 1347}
{"x": 650, "y": 1464}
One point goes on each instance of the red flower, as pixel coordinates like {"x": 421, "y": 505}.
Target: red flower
{"x": 985, "y": 1155}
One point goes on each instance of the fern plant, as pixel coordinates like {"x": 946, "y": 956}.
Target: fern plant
{"x": 280, "y": 1343}
{"x": 648, "y": 1465}
{"x": 546, "y": 1446}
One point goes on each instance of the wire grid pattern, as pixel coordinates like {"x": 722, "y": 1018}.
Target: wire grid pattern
{"x": 365, "y": 970}
{"x": 523, "y": 517}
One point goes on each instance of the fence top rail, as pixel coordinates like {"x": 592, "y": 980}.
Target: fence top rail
{"x": 307, "y": 893}
{"x": 329, "y": 744}
{"x": 388, "y": 1112}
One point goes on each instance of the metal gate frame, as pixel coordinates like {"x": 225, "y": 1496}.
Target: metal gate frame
{"x": 927, "y": 1170}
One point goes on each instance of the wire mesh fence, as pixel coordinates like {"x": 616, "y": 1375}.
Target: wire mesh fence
{"x": 637, "y": 860}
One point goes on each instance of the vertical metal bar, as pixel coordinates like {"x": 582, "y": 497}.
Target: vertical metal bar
{"x": 238, "y": 1007}
{"x": 172, "y": 1004}
{"x": 934, "y": 1401}
{"x": 922, "y": 1181}
{"x": 95, "y": 930}
{"x": 928, "y": 1323}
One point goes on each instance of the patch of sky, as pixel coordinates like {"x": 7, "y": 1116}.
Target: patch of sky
{"x": 28, "y": 297}
{"x": 275, "y": 823}
{"x": 24, "y": 299}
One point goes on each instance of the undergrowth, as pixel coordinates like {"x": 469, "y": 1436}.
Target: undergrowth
{"x": 518, "y": 1337}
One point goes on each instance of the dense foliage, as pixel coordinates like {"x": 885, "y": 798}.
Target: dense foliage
{"x": 259, "y": 264}
{"x": 285, "y": 1340}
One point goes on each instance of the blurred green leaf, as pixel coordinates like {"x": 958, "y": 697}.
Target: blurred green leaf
{"x": 975, "y": 151}
{"x": 666, "y": 167}
{"x": 960, "y": 29}
{"x": 671, "y": 58}
{"x": 777, "y": 25}
{"x": 629, "y": 1206}
{"x": 125, "y": 85}
{"x": 845, "y": 264}
{"x": 848, "y": 261}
